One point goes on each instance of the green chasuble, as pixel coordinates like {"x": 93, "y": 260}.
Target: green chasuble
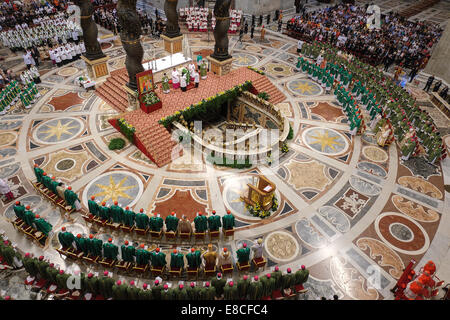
{"x": 116, "y": 213}
{"x": 156, "y": 223}
{"x": 158, "y": 259}
{"x": 30, "y": 266}
{"x": 243, "y": 255}
{"x": 110, "y": 251}
{"x": 43, "y": 226}
{"x": 242, "y": 286}
{"x": 171, "y": 223}
{"x": 119, "y": 292}
{"x": 194, "y": 259}
{"x": 93, "y": 207}
{"x": 38, "y": 172}
{"x": 193, "y": 293}
{"x": 142, "y": 221}
{"x": 133, "y": 292}
{"x": 29, "y": 217}
{"x": 200, "y": 224}
{"x": 231, "y": 293}
{"x": 255, "y": 290}
{"x": 46, "y": 180}
{"x": 70, "y": 197}
{"x": 96, "y": 247}
{"x": 156, "y": 292}
{"x": 207, "y": 293}
{"x": 176, "y": 260}
{"x": 228, "y": 221}
{"x": 145, "y": 294}
{"x": 19, "y": 211}
{"x": 214, "y": 223}
{"x": 128, "y": 253}
{"x": 168, "y": 294}
{"x": 287, "y": 280}
{"x": 142, "y": 256}
{"x": 128, "y": 218}
{"x": 104, "y": 213}
{"x": 219, "y": 284}
{"x": 181, "y": 294}
{"x": 105, "y": 286}
{"x": 61, "y": 280}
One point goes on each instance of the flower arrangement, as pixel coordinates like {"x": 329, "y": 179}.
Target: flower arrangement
{"x": 259, "y": 212}
{"x": 284, "y": 148}
{"x": 256, "y": 70}
{"x": 291, "y": 133}
{"x": 206, "y": 107}
{"x": 264, "y": 95}
{"x": 126, "y": 129}
{"x": 150, "y": 98}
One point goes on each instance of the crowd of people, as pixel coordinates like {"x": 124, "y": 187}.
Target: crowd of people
{"x": 13, "y": 91}
{"x": 394, "y": 113}
{"x": 15, "y": 13}
{"x": 64, "y": 54}
{"x": 196, "y": 19}
{"x": 397, "y": 40}
{"x": 107, "y": 18}
{"x": 49, "y": 32}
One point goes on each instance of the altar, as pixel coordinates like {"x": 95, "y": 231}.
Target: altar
{"x": 166, "y": 64}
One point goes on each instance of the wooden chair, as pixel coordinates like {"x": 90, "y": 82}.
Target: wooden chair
{"x": 91, "y": 258}
{"x": 157, "y": 271}
{"x": 141, "y": 232}
{"x": 243, "y": 267}
{"x": 226, "y": 268}
{"x": 185, "y": 236}
{"x": 200, "y": 236}
{"x": 259, "y": 263}
{"x": 65, "y": 251}
{"x": 108, "y": 263}
{"x": 156, "y": 235}
{"x": 171, "y": 236}
{"x": 175, "y": 272}
{"x": 40, "y": 237}
{"x": 209, "y": 272}
{"x": 140, "y": 268}
{"x": 113, "y": 225}
{"x": 127, "y": 229}
{"x": 88, "y": 218}
{"x": 123, "y": 265}
{"x": 214, "y": 235}
{"x": 100, "y": 222}
{"x": 76, "y": 254}
{"x": 192, "y": 272}
{"x": 228, "y": 233}
{"x": 18, "y": 223}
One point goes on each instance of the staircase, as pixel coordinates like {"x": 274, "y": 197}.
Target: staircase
{"x": 112, "y": 92}
{"x": 263, "y": 84}
{"x": 159, "y": 141}
{"x": 418, "y": 8}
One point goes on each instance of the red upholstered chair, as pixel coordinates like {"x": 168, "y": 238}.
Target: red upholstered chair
{"x": 155, "y": 235}
{"x": 209, "y": 272}
{"x": 108, "y": 263}
{"x": 157, "y": 271}
{"x": 214, "y": 235}
{"x": 243, "y": 267}
{"x": 171, "y": 236}
{"x": 192, "y": 272}
{"x": 226, "y": 268}
{"x": 140, "y": 268}
{"x": 141, "y": 232}
{"x": 259, "y": 263}
{"x": 91, "y": 258}
{"x": 228, "y": 233}
{"x": 175, "y": 272}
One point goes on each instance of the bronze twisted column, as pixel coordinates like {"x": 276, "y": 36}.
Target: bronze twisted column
{"x": 222, "y": 14}
{"x": 90, "y": 30}
{"x": 130, "y": 36}
{"x": 172, "y": 27}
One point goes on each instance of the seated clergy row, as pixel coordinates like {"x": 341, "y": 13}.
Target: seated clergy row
{"x": 57, "y": 187}
{"x": 273, "y": 285}
{"x": 129, "y": 218}
{"x": 141, "y": 256}
{"x": 31, "y": 219}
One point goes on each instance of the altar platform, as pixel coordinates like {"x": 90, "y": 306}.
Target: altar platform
{"x": 165, "y": 65}
{"x": 153, "y": 139}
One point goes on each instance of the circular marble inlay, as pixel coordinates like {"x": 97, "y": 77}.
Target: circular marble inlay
{"x": 67, "y": 72}
{"x": 244, "y": 59}
{"x": 278, "y": 69}
{"x": 281, "y": 246}
{"x": 7, "y": 138}
{"x": 234, "y": 189}
{"x": 65, "y": 164}
{"x": 372, "y": 168}
{"x": 304, "y": 87}
{"x": 369, "y": 138}
{"x": 325, "y": 141}
{"x": 375, "y": 154}
{"x": 364, "y": 187}
{"x": 402, "y": 233}
{"x": 58, "y": 130}
{"x": 122, "y": 186}
{"x": 253, "y": 48}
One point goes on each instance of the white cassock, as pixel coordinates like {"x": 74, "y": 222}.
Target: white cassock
{"x": 183, "y": 81}
{"x": 57, "y": 55}
{"x": 191, "y": 69}
{"x": 175, "y": 77}
{"x": 257, "y": 250}
{"x": 4, "y": 187}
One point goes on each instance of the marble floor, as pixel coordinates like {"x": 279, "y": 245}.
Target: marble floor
{"x": 352, "y": 212}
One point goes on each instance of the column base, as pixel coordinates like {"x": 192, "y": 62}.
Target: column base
{"x": 133, "y": 98}
{"x": 220, "y": 68}
{"x": 97, "y": 69}
{"x": 173, "y": 45}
